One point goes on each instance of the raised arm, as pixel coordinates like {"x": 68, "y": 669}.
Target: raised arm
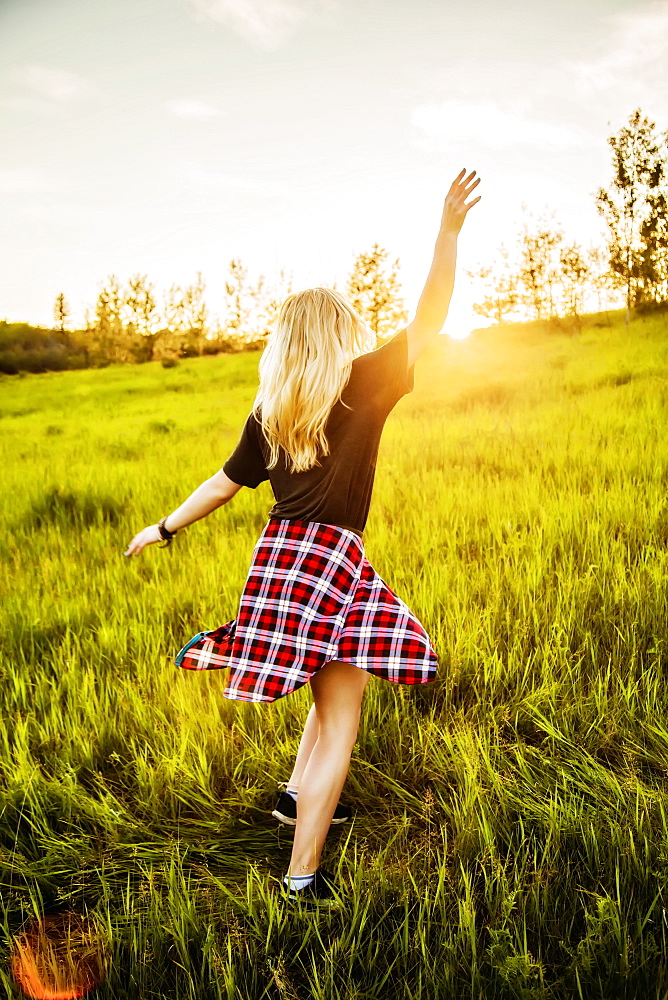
{"x": 435, "y": 299}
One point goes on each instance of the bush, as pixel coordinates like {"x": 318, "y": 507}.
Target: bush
{"x": 25, "y": 348}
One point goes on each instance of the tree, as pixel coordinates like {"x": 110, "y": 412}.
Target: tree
{"x": 638, "y": 173}
{"x": 575, "y": 274}
{"x": 267, "y": 306}
{"x": 143, "y": 317}
{"x": 375, "y": 292}
{"x": 174, "y": 315}
{"x": 238, "y": 305}
{"x": 602, "y": 280}
{"x": 539, "y": 266}
{"x": 101, "y": 329}
{"x": 500, "y": 287}
{"x": 61, "y": 312}
{"x": 653, "y": 280}
{"x": 195, "y": 314}
{"x": 107, "y": 331}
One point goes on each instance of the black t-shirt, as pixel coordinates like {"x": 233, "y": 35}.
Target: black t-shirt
{"x": 338, "y": 490}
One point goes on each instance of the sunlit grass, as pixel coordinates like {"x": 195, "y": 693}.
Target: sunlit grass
{"x": 511, "y": 828}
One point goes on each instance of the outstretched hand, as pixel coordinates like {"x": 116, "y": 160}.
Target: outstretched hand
{"x": 455, "y": 209}
{"x": 146, "y": 537}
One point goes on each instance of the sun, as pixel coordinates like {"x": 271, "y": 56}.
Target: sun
{"x": 461, "y": 321}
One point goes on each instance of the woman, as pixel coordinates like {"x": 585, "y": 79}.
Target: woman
{"x": 313, "y": 609}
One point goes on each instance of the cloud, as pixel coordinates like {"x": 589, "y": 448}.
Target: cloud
{"x": 263, "y": 23}
{"x": 451, "y": 122}
{"x": 192, "y": 109}
{"x": 15, "y": 180}
{"x": 56, "y": 84}
{"x": 636, "y": 53}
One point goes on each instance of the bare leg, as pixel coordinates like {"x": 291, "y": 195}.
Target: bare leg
{"x": 306, "y": 744}
{"x": 338, "y": 689}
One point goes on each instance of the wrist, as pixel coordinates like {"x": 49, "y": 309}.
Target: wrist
{"x": 446, "y": 235}
{"x": 165, "y": 533}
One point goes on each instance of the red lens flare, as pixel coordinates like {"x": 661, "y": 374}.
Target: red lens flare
{"x": 58, "y": 957}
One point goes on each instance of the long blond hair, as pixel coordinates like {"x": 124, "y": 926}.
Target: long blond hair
{"x": 303, "y": 371}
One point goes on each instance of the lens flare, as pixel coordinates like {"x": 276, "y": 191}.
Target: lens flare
{"x": 58, "y": 957}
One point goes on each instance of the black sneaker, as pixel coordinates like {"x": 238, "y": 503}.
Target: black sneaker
{"x": 321, "y": 893}
{"x": 286, "y": 809}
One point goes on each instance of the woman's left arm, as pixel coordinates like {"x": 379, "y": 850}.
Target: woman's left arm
{"x": 212, "y": 493}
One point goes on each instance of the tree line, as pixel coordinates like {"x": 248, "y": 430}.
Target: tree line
{"x": 546, "y": 276}
{"x": 131, "y": 323}
{"x": 543, "y": 276}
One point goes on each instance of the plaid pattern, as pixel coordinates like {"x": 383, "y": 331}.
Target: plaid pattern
{"x": 311, "y": 596}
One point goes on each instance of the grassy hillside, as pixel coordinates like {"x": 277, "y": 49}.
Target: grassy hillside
{"x": 511, "y": 828}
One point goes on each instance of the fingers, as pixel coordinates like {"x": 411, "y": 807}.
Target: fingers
{"x": 461, "y": 189}
{"x": 466, "y": 191}
{"x": 456, "y": 181}
{"x": 146, "y": 537}
{"x": 135, "y": 546}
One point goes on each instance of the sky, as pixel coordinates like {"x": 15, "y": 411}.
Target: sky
{"x": 166, "y": 137}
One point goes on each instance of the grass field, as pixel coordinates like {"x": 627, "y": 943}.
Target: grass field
{"x": 510, "y": 837}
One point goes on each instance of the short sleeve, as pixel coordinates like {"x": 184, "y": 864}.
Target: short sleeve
{"x": 389, "y": 369}
{"x": 246, "y": 465}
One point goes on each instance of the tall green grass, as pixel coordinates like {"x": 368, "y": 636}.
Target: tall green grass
{"x": 510, "y": 837}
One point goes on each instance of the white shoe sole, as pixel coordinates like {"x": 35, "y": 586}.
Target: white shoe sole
{"x": 289, "y": 821}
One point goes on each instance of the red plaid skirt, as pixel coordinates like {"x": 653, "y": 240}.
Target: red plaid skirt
{"x": 311, "y": 596}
